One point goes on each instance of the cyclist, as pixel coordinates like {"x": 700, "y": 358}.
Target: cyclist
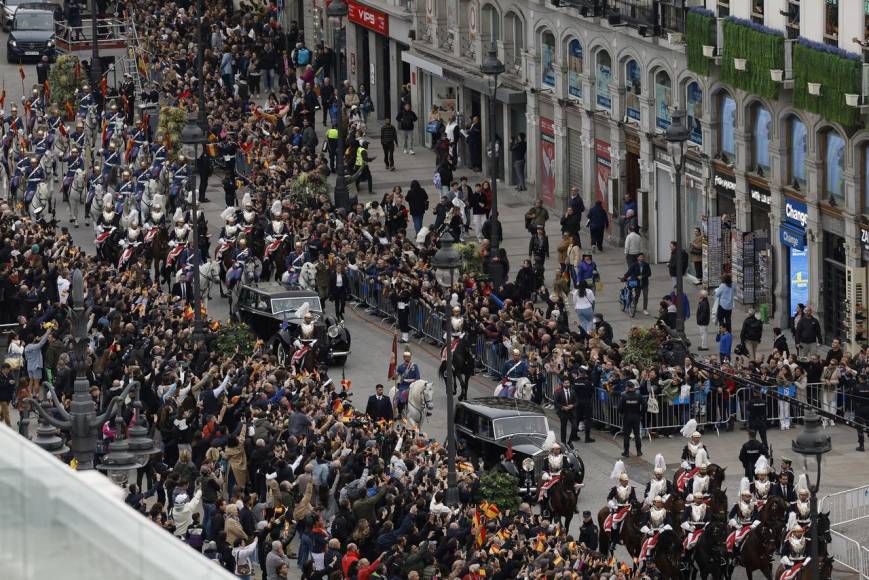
{"x": 637, "y": 280}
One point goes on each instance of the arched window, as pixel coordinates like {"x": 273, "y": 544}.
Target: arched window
{"x": 547, "y": 46}
{"x": 694, "y": 107}
{"x": 663, "y": 99}
{"x": 574, "y": 68}
{"x": 834, "y": 166}
{"x": 727, "y": 127}
{"x": 760, "y": 138}
{"x": 491, "y": 24}
{"x": 603, "y": 76}
{"x": 797, "y": 152}
{"x": 633, "y": 90}
{"x": 514, "y": 39}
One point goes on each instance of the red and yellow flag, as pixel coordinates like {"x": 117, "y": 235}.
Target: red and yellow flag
{"x": 104, "y": 86}
{"x": 46, "y": 89}
{"x": 21, "y": 72}
{"x": 489, "y": 510}
{"x": 62, "y": 129}
{"x": 70, "y": 114}
{"x": 3, "y": 98}
{"x": 77, "y": 71}
{"x": 479, "y": 529}
{"x": 393, "y": 362}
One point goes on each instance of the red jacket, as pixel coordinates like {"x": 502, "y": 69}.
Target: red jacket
{"x": 347, "y": 561}
{"x": 365, "y": 573}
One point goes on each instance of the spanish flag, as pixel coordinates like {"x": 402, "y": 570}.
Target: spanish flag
{"x": 128, "y": 150}
{"x": 104, "y": 86}
{"x": 3, "y": 99}
{"x": 70, "y": 114}
{"x": 46, "y": 90}
{"x": 393, "y": 362}
{"x": 21, "y": 72}
{"x": 77, "y": 71}
{"x": 540, "y": 543}
{"x": 490, "y": 510}
{"x": 479, "y": 530}
{"x": 105, "y": 130}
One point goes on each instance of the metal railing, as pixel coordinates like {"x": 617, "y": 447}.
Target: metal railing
{"x": 111, "y": 33}
{"x": 847, "y": 507}
{"x": 850, "y": 553}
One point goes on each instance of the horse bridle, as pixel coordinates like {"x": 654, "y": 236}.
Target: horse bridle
{"x": 427, "y": 399}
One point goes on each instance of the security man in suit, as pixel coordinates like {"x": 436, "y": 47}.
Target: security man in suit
{"x": 750, "y": 453}
{"x": 861, "y": 410}
{"x": 632, "y": 409}
{"x": 584, "y": 389}
{"x": 565, "y": 406}
{"x": 757, "y": 416}
{"x": 379, "y": 406}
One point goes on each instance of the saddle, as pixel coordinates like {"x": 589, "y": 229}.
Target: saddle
{"x": 402, "y": 396}
{"x": 614, "y": 519}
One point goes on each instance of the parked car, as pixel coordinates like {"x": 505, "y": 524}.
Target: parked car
{"x": 273, "y": 314}
{"x": 488, "y": 424}
{"x": 32, "y": 33}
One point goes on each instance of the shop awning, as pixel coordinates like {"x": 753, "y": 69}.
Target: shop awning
{"x": 422, "y": 63}
{"x": 505, "y": 95}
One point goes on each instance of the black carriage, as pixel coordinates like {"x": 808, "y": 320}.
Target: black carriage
{"x": 274, "y": 314}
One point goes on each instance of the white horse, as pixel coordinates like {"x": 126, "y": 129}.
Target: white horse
{"x": 209, "y": 274}
{"x": 520, "y": 388}
{"x": 76, "y": 197}
{"x": 39, "y": 204}
{"x": 420, "y": 402}
{"x": 308, "y": 276}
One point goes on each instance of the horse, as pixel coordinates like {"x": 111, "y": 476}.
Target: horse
{"x": 563, "y": 496}
{"x": 717, "y": 505}
{"x": 775, "y": 514}
{"x": 302, "y": 360}
{"x": 825, "y": 570}
{"x": 420, "y": 397}
{"x": 675, "y": 507}
{"x": 40, "y": 204}
{"x": 209, "y": 274}
{"x": 716, "y": 477}
{"x": 308, "y": 276}
{"x": 463, "y": 365}
{"x": 75, "y": 198}
{"x": 709, "y": 557}
{"x": 275, "y": 258}
{"x": 668, "y": 555}
{"x": 629, "y": 531}
{"x": 521, "y": 388}
{"x": 754, "y": 555}
{"x": 158, "y": 250}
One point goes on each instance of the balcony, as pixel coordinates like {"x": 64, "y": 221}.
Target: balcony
{"x": 649, "y": 17}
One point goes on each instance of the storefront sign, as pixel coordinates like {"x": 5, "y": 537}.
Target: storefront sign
{"x": 796, "y": 213}
{"x": 792, "y": 237}
{"x": 368, "y": 17}
{"x": 725, "y": 182}
{"x": 604, "y": 169}
{"x": 864, "y": 238}
{"x": 760, "y": 195}
{"x": 632, "y": 90}
{"x": 799, "y": 278}
{"x": 547, "y": 162}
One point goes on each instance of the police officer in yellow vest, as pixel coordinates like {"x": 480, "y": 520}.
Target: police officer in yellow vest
{"x": 331, "y": 146}
{"x": 361, "y": 170}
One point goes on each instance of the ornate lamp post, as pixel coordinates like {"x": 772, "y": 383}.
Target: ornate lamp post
{"x": 677, "y": 135}
{"x": 491, "y": 68}
{"x": 49, "y": 439}
{"x": 813, "y": 444}
{"x": 121, "y": 459}
{"x": 337, "y": 11}
{"x": 446, "y": 263}
{"x": 96, "y": 65}
{"x": 192, "y": 138}
{"x": 81, "y": 422}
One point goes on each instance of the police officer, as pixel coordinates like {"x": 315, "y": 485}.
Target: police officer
{"x": 632, "y": 409}
{"x": 750, "y": 453}
{"x": 861, "y": 411}
{"x": 588, "y": 531}
{"x": 584, "y": 389}
{"x": 757, "y": 415}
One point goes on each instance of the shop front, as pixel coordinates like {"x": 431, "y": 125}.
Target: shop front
{"x": 835, "y": 286}
{"x": 792, "y": 234}
{"x": 724, "y": 185}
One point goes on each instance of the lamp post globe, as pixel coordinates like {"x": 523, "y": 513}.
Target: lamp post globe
{"x": 677, "y": 134}
{"x": 337, "y": 9}
{"x": 491, "y": 66}
{"x": 813, "y": 443}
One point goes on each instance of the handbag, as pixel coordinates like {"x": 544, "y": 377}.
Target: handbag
{"x": 652, "y": 406}
{"x": 243, "y": 569}
{"x": 432, "y": 127}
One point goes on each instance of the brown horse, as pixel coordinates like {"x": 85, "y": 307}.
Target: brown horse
{"x": 716, "y": 477}
{"x": 157, "y": 252}
{"x": 775, "y": 514}
{"x": 563, "y": 497}
{"x": 754, "y": 555}
{"x": 668, "y": 555}
{"x": 718, "y": 505}
{"x": 825, "y": 570}
{"x": 675, "y": 507}
{"x": 629, "y": 531}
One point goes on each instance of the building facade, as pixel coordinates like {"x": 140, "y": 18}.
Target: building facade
{"x": 777, "y": 170}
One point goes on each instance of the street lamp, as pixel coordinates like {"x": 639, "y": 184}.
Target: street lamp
{"x": 446, "y": 263}
{"x": 813, "y": 444}
{"x": 96, "y": 65}
{"x": 81, "y": 422}
{"x": 337, "y": 11}
{"x": 49, "y": 439}
{"x": 491, "y": 68}
{"x": 192, "y": 137}
{"x": 121, "y": 459}
{"x": 677, "y": 135}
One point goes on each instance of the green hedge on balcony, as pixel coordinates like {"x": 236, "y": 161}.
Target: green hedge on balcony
{"x": 764, "y": 50}
{"x": 700, "y": 31}
{"x": 837, "y": 71}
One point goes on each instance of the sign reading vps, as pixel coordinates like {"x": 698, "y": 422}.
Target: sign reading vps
{"x": 368, "y": 17}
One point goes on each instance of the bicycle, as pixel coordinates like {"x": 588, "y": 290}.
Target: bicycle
{"x": 630, "y": 296}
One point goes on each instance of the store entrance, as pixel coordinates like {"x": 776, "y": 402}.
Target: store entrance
{"x": 835, "y": 288}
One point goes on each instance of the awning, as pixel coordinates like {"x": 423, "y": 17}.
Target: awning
{"x": 422, "y": 63}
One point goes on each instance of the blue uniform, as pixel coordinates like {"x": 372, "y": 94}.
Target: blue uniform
{"x": 77, "y": 138}
{"x": 84, "y": 104}
{"x": 34, "y": 177}
{"x": 110, "y": 161}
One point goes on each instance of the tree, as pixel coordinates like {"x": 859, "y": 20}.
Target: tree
{"x": 63, "y": 80}
{"x": 172, "y": 121}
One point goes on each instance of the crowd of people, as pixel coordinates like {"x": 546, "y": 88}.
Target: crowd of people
{"x": 265, "y": 468}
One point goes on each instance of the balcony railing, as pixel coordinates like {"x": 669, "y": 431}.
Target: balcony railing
{"x": 650, "y": 17}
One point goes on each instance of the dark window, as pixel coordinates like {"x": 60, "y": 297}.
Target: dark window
{"x": 831, "y": 22}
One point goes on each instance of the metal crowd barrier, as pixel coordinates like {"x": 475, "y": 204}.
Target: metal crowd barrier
{"x": 850, "y": 553}
{"x": 491, "y": 356}
{"x": 847, "y": 507}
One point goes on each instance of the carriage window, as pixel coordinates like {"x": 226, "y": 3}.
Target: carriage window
{"x": 280, "y": 305}
{"x": 261, "y": 302}
{"x": 522, "y": 425}
{"x": 247, "y": 298}
{"x": 484, "y": 428}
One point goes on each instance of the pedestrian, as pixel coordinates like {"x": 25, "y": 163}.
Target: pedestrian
{"x": 7, "y": 391}
{"x": 585, "y": 391}
{"x": 808, "y": 333}
{"x": 473, "y": 139}
{"x": 388, "y": 140}
{"x": 536, "y": 216}
{"x": 479, "y": 210}
{"x": 641, "y": 271}
{"x": 703, "y": 320}
{"x": 677, "y": 266}
{"x": 576, "y": 203}
{"x": 633, "y": 246}
{"x": 725, "y": 343}
{"x": 632, "y": 409}
{"x": 696, "y": 253}
{"x": 406, "y": 120}
{"x": 583, "y": 305}
{"x": 751, "y": 333}
{"x": 327, "y": 95}
{"x": 417, "y": 203}
{"x": 538, "y": 250}
{"x": 362, "y": 171}
{"x": 518, "y": 147}
{"x": 339, "y": 290}
{"x": 724, "y": 299}
{"x": 379, "y": 406}
{"x": 598, "y": 221}
{"x": 42, "y": 71}
{"x": 565, "y": 405}
{"x": 204, "y": 169}
{"x": 780, "y": 342}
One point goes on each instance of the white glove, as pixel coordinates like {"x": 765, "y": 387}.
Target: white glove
{"x": 686, "y": 466}
{"x": 785, "y": 561}
{"x": 646, "y": 530}
{"x": 755, "y": 523}
{"x": 732, "y": 523}
{"x": 612, "y": 504}
{"x": 546, "y": 476}
{"x": 687, "y": 527}
{"x": 667, "y": 527}
{"x": 297, "y": 343}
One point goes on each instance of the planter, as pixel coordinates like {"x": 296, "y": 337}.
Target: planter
{"x": 700, "y": 32}
{"x": 839, "y": 72}
{"x": 675, "y": 37}
{"x": 852, "y": 100}
{"x": 814, "y": 89}
{"x": 745, "y": 42}
{"x": 777, "y": 75}
{"x": 740, "y": 64}
{"x": 708, "y": 51}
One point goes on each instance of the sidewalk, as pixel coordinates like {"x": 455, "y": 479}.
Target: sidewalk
{"x": 512, "y": 207}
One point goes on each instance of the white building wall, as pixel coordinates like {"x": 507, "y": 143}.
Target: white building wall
{"x": 772, "y": 14}
{"x": 741, "y": 9}
{"x": 812, "y": 20}
{"x": 851, "y": 16}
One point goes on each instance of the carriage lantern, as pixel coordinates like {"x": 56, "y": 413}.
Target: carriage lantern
{"x": 446, "y": 263}
{"x": 813, "y": 444}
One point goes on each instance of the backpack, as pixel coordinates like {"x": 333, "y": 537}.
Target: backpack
{"x": 303, "y": 57}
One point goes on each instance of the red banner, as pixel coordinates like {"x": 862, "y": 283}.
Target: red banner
{"x": 604, "y": 169}
{"x": 368, "y": 17}
{"x": 547, "y": 162}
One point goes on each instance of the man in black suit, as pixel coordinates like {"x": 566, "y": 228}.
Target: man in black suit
{"x": 379, "y": 406}
{"x": 565, "y": 406}
{"x": 183, "y": 288}
{"x": 785, "y": 488}
{"x": 339, "y": 290}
